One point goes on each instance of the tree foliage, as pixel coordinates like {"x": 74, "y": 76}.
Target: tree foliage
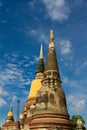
{"x": 73, "y": 121}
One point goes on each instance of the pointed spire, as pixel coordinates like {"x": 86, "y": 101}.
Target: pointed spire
{"x": 11, "y": 107}
{"x": 40, "y": 68}
{"x": 51, "y": 62}
{"x": 51, "y": 43}
{"x": 41, "y": 52}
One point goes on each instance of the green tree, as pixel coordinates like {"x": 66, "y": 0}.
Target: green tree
{"x": 73, "y": 121}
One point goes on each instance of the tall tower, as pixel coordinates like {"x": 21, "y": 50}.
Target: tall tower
{"x": 51, "y": 110}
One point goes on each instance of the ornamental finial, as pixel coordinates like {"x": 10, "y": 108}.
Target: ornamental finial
{"x": 51, "y": 44}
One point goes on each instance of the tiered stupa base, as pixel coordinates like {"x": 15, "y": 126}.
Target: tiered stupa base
{"x": 50, "y": 121}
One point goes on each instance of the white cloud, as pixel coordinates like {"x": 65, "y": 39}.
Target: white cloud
{"x": 37, "y": 34}
{"x": 65, "y": 79}
{"x": 25, "y": 92}
{"x": 26, "y": 57}
{"x": 35, "y": 59}
{"x": 76, "y": 104}
{"x": 57, "y": 9}
{"x": 2, "y": 102}
{"x": 65, "y": 47}
{"x": 81, "y": 67}
{"x": 4, "y": 21}
{"x": 12, "y": 73}
{"x": 14, "y": 77}
{"x": 76, "y": 101}
{"x": 69, "y": 82}
{"x": 3, "y": 92}
{"x": 32, "y": 62}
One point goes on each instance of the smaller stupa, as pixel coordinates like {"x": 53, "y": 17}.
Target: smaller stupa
{"x": 10, "y": 116}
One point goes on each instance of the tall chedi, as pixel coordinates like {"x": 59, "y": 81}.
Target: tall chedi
{"x": 36, "y": 83}
{"x": 51, "y": 110}
{"x": 26, "y": 113}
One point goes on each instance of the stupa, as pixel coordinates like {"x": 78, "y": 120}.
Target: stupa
{"x": 45, "y": 107}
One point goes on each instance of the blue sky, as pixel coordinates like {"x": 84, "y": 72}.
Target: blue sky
{"x": 24, "y": 25}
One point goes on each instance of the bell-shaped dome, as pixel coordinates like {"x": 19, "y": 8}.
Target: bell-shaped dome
{"x": 35, "y": 86}
{"x": 10, "y": 114}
